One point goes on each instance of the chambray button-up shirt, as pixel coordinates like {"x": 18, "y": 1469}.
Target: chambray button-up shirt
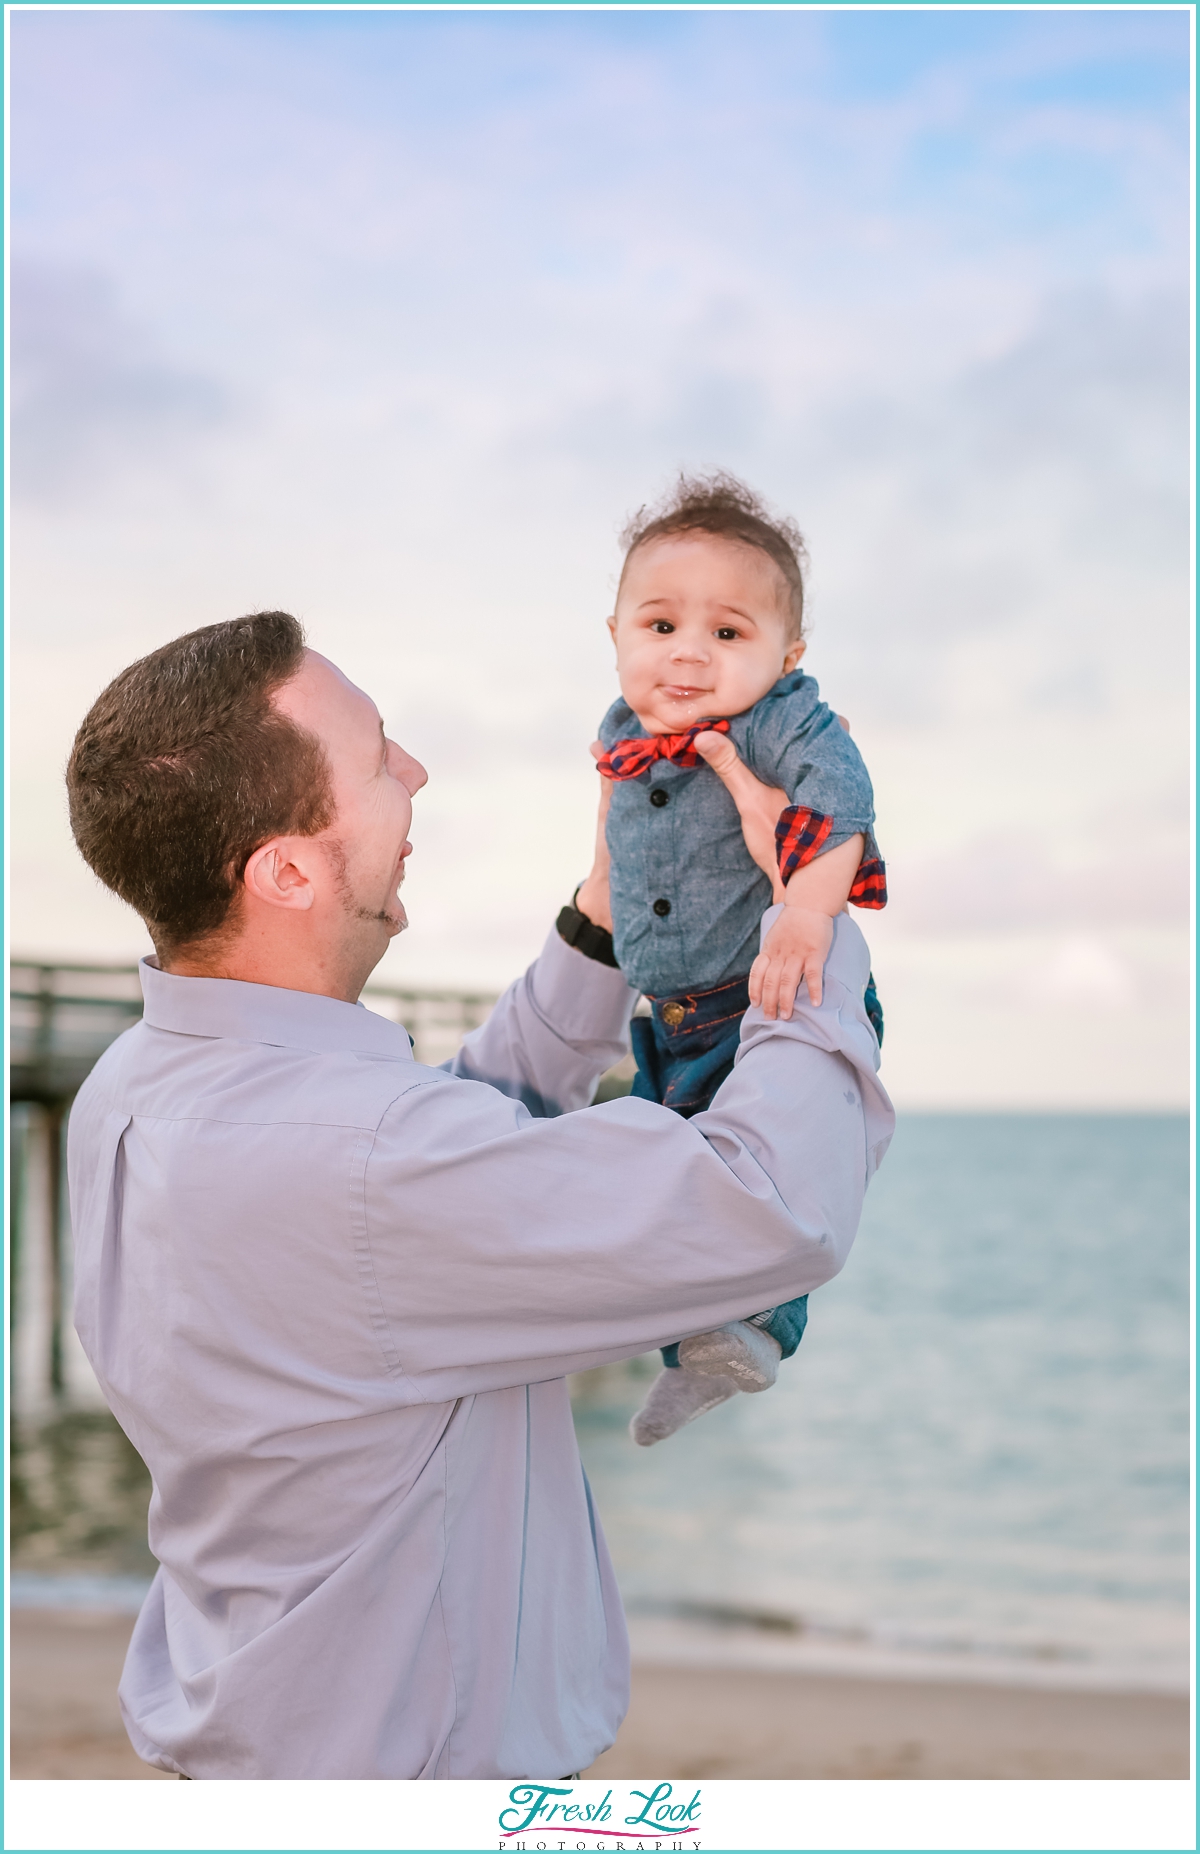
{"x": 687, "y": 896}
{"x": 331, "y": 1296}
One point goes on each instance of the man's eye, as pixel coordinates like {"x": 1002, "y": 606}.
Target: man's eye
{"x": 726, "y": 633}
{"x": 662, "y": 627}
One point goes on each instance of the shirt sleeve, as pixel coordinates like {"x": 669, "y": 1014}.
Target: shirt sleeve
{"x": 799, "y": 743}
{"x": 508, "y": 1249}
{"x": 553, "y": 1034}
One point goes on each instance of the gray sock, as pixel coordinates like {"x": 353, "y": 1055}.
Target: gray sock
{"x": 738, "y": 1350}
{"x": 676, "y": 1397}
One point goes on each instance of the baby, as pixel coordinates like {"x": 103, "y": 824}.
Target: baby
{"x": 709, "y": 632}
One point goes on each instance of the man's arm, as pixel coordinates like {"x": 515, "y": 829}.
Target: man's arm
{"x": 508, "y": 1250}
{"x": 553, "y": 1033}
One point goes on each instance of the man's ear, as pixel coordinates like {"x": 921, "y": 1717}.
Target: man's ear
{"x": 274, "y": 877}
{"x": 794, "y": 653}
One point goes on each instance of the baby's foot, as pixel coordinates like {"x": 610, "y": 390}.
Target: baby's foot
{"x": 677, "y": 1397}
{"x": 739, "y": 1351}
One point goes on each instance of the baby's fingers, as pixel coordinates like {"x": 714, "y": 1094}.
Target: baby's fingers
{"x": 779, "y": 985}
{"x": 814, "y": 971}
{"x": 790, "y": 974}
{"x": 770, "y": 991}
{"x": 758, "y": 973}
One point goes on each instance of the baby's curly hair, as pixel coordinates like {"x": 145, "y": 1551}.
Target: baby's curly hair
{"x": 721, "y": 504}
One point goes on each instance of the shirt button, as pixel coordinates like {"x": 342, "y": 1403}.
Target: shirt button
{"x": 658, "y": 795}
{"x": 662, "y": 906}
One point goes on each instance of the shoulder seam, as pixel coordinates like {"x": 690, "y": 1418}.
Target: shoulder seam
{"x": 364, "y": 1125}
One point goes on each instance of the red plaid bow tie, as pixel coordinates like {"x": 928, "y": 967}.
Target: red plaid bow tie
{"x": 627, "y": 759}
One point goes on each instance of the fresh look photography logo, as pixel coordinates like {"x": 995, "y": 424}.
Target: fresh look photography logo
{"x": 548, "y": 1816}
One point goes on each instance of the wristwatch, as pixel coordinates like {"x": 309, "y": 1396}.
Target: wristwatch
{"x": 584, "y": 935}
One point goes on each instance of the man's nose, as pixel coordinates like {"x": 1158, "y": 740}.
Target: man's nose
{"x": 409, "y": 771}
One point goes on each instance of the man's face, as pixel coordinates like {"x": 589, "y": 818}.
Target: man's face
{"x": 699, "y": 630}
{"x": 374, "y": 782}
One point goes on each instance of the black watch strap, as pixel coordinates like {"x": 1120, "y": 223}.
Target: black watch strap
{"x": 584, "y": 935}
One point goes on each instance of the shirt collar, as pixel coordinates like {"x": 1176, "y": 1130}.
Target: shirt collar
{"x": 266, "y": 1014}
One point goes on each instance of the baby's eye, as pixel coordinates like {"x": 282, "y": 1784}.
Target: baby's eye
{"x": 662, "y": 627}
{"x": 726, "y": 633}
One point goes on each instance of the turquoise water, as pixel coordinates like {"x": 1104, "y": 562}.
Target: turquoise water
{"x": 979, "y": 1456}
{"x": 981, "y": 1448}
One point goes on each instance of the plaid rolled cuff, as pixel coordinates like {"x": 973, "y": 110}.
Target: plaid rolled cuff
{"x": 800, "y": 835}
{"x": 870, "y": 884}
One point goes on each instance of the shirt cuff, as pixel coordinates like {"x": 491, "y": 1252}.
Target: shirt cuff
{"x": 582, "y": 999}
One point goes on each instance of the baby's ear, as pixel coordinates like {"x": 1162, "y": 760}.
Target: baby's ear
{"x": 611, "y": 622}
{"x": 794, "y": 653}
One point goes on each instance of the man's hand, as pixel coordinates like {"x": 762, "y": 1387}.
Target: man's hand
{"x": 758, "y": 805}
{"x": 796, "y": 948}
{"x": 592, "y": 899}
{"x": 799, "y": 942}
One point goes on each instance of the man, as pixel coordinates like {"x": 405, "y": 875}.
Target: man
{"x": 332, "y": 1295}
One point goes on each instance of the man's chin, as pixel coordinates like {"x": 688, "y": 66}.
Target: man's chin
{"x": 393, "y": 919}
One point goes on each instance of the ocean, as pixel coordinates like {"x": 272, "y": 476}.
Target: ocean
{"x": 975, "y": 1466}
{"x": 977, "y": 1462}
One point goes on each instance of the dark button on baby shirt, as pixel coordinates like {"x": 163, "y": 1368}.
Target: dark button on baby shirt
{"x": 658, "y": 795}
{"x": 662, "y": 905}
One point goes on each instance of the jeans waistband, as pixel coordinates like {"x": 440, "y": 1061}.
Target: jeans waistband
{"x": 682, "y": 1012}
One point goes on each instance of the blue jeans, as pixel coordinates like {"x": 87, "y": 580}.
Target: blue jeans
{"x": 684, "y": 1050}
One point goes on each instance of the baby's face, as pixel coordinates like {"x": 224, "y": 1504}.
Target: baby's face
{"x": 700, "y": 630}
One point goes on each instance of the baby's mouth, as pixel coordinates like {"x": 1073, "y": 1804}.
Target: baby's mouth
{"x": 679, "y": 692}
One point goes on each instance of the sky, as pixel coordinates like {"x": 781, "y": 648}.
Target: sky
{"x": 392, "y": 318}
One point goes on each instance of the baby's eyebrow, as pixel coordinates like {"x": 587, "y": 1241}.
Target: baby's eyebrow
{"x": 666, "y": 598}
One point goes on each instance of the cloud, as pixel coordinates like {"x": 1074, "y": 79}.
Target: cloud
{"x": 1084, "y": 970}
{"x": 1037, "y": 491}
{"x": 1013, "y": 882}
{"x": 90, "y": 392}
{"x": 1017, "y": 534}
{"x": 426, "y": 303}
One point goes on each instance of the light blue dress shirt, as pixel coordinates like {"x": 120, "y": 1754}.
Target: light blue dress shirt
{"x": 332, "y": 1297}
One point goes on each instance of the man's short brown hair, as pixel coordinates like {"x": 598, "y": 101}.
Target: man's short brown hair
{"x": 721, "y": 504}
{"x": 182, "y": 769}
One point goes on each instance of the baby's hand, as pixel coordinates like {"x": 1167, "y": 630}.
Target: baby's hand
{"x": 795, "y": 948}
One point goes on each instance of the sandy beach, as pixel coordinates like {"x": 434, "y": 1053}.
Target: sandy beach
{"x": 691, "y": 1721}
